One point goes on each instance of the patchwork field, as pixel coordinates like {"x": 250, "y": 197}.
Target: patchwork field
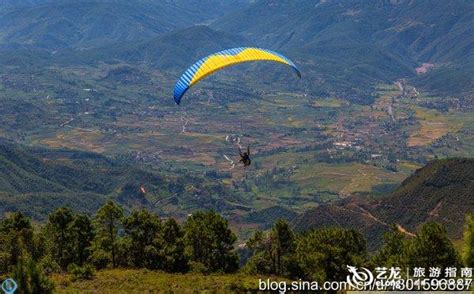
{"x": 306, "y": 149}
{"x": 433, "y": 125}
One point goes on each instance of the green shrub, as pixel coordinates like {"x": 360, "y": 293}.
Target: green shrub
{"x": 100, "y": 259}
{"x": 85, "y": 272}
{"x": 197, "y": 267}
{"x": 49, "y": 265}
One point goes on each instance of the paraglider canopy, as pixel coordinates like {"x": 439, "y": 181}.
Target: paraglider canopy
{"x": 219, "y": 60}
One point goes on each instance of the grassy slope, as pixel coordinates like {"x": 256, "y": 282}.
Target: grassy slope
{"x": 141, "y": 281}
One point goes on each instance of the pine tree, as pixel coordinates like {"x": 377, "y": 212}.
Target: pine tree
{"x": 60, "y": 236}
{"x": 106, "y": 244}
{"x": 142, "y": 239}
{"x": 430, "y": 248}
{"x": 16, "y": 236}
{"x": 173, "y": 247}
{"x": 209, "y": 242}
{"x": 284, "y": 244}
{"x": 273, "y": 252}
{"x": 324, "y": 253}
{"x": 261, "y": 260}
{"x": 82, "y": 236}
{"x": 468, "y": 253}
{"x": 390, "y": 253}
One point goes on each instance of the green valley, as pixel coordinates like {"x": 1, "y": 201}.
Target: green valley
{"x": 369, "y": 150}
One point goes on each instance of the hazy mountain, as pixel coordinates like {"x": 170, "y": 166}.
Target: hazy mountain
{"x": 176, "y": 49}
{"x": 442, "y": 191}
{"x": 9, "y": 4}
{"x": 342, "y": 47}
{"x": 57, "y": 24}
{"x": 344, "y": 215}
{"x": 368, "y": 39}
{"x": 86, "y": 24}
{"x": 206, "y": 8}
{"x": 23, "y": 55}
{"x": 210, "y": 9}
{"x": 415, "y": 28}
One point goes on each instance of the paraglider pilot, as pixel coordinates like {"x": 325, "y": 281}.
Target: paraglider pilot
{"x": 245, "y": 157}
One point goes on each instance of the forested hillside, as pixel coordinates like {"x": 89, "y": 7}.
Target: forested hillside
{"x": 35, "y": 181}
{"x": 56, "y": 24}
{"x": 442, "y": 191}
{"x": 344, "y": 47}
{"x": 364, "y": 41}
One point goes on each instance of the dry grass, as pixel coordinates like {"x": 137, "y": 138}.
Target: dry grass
{"x": 146, "y": 281}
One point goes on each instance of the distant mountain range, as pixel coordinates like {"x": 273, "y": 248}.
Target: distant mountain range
{"x": 342, "y": 47}
{"x": 174, "y": 50}
{"x": 419, "y": 30}
{"x": 56, "y": 24}
{"x": 79, "y": 24}
{"x": 363, "y": 41}
{"x": 442, "y": 191}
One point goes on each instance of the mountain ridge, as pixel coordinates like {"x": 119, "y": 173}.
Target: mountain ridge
{"x": 338, "y": 33}
{"x": 37, "y": 180}
{"x": 419, "y": 199}
{"x": 89, "y": 24}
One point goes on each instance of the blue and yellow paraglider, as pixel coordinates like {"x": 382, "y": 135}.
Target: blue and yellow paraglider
{"x": 219, "y": 60}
